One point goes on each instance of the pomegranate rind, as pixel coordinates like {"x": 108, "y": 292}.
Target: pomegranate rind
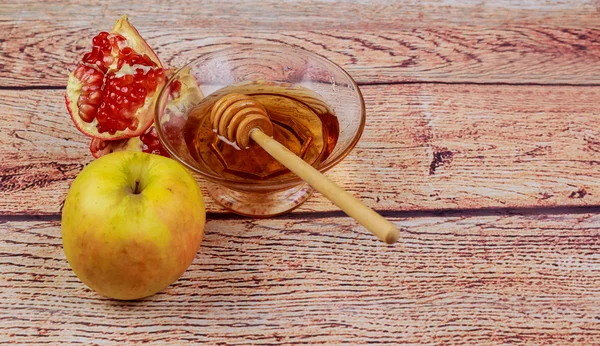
{"x": 189, "y": 96}
{"x": 126, "y": 144}
{"x": 145, "y": 114}
{"x": 135, "y": 40}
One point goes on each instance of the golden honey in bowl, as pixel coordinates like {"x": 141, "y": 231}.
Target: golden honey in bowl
{"x": 302, "y": 122}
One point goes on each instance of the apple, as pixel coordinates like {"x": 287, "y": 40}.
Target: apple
{"x": 132, "y": 223}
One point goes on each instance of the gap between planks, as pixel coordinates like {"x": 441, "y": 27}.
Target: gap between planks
{"x": 308, "y": 215}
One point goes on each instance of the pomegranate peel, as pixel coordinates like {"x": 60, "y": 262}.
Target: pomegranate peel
{"x": 147, "y": 143}
{"x": 137, "y": 43}
{"x": 184, "y": 93}
{"x": 99, "y": 147}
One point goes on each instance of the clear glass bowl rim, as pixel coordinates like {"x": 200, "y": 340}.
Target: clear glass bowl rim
{"x": 272, "y": 183}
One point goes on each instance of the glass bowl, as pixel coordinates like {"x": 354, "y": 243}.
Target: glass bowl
{"x": 278, "y": 64}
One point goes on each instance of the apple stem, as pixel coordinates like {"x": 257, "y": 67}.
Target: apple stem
{"x": 137, "y": 186}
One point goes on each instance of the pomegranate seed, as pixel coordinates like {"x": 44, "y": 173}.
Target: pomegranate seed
{"x": 90, "y": 95}
{"x": 151, "y": 144}
{"x": 125, "y": 124}
{"x": 113, "y": 101}
{"x": 88, "y": 88}
{"x": 175, "y": 89}
{"x": 100, "y": 40}
{"x": 124, "y": 113}
{"x": 150, "y": 62}
{"x": 88, "y": 57}
{"x": 115, "y": 39}
{"x": 126, "y": 52}
{"x": 108, "y": 60}
{"x": 127, "y": 80}
{"x": 95, "y": 97}
{"x": 87, "y": 112}
{"x": 79, "y": 71}
{"x": 139, "y": 93}
{"x": 137, "y": 60}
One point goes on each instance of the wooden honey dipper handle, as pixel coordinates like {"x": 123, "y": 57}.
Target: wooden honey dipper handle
{"x": 366, "y": 216}
{"x": 240, "y": 117}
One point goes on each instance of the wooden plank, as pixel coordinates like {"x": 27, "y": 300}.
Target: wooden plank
{"x": 425, "y": 146}
{"x": 541, "y": 55}
{"x": 303, "y": 14}
{"x": 544, "y": 42}
{"x": 494, "y": 279}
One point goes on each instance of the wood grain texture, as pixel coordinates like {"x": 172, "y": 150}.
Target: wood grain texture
{"x": 483, "y": 279}
{"x": 472, "y": 105}
{"x": 300, "y": 14}
{"x": 425, "y": 146}
{"x": 517, "y": 55}
{"x": 383, "y": 42}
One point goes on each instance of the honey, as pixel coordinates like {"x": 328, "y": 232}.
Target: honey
{"x": 302, "y": 122}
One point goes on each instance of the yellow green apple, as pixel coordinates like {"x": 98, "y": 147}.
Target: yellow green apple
{"x": 132, "y": 223}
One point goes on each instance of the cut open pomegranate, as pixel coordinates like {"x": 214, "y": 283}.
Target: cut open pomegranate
{"x": 183, "y": 94}
{"x": 111, "y": 93}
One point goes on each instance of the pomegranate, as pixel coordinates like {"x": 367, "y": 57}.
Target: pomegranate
{"x": 148, "y": 143}
{"x": 183, "y": 94}
{"x": 111, "y": 93}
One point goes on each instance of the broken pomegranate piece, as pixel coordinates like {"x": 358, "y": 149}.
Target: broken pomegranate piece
{"x": 111, "y": 93}
{"x": 183, "y": 93}
{"x": 148, "y": 143}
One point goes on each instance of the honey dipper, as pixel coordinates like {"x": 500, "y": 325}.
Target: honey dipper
{"x": 239, "y": 118}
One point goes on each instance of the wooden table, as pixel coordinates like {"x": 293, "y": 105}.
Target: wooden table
{"x": 482, "y": 142}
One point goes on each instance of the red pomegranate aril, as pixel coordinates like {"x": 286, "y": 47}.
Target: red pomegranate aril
{"x": 95, "y": 97}
{"x": 90, "y": 57}
{"x": 89, "y": 88}
{"x": 87, "y": 112}
{"x": 88, "y": 75}
{"x": 126, "y": 52}
{"x": 175, "y": 90}
{"x": 148, "y": 61}
{"x": 126, "y": 80}
{"x": 122, "y": 123}
{"x": 109, "y": 95}
{"x": 124, "y": 112}
{"x": 151, "y": 144}
{"x": 101, "y": 37}
{"x": 102, "y": 50}
{"x": 138, "y": 93}
{"x": 101, "y": 40}
{"x": 115, "y": 39}
{"x": 115, "y": 99}
{"x": 88, "y": 100}
{"x": 108, "y": 60}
